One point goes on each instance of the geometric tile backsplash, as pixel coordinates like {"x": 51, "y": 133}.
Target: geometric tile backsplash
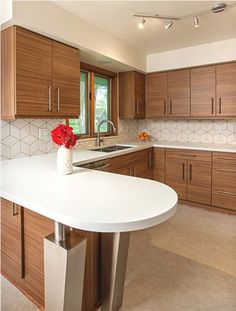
{"x": 204, "y": 131}
{"x": 20, "y": 138}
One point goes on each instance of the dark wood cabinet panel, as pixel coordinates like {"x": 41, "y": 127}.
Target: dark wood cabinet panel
{"x": 199, "y": 181}
{"x": 131, "y": 95}
{"x": 66, "y": 80}
{"x": 41, "y": 76}
{"x": 159, "y": 164}
{"x": 179, "y": 93}
{"x": 226, "y": 89}
{"x": 203, "y": 91}
{"x": 12, "y": 252}
{"x": 142, "y": 164}
{"x": 176, "y": 176}
{"x": 156, "y": 95}
{"x": 224, "y": 180}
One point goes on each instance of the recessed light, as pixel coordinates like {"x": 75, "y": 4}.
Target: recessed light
{"x": 167, "y": 26}
{"x": 141, "y": 24}
{"x": 196, "y": 22}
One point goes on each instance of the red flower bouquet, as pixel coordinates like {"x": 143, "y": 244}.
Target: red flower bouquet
{"x": 62, "y": 135}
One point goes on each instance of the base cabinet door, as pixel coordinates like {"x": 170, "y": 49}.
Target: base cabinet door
{"x": 143, "y": 164}
{"x": 176, "y": 171}
{"x": 199, "y": 182}
{"x": 12, "y": 256}
{"x": 224, "y": 180}
{"x": 159, "y": 164}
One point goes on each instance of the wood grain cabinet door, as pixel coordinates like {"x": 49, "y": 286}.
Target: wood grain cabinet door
{"x": 139, "y": 95}
{"x": 159, "y": 164}
{"x": 176, "y": 176}
{"x": 226, "y": 89}
{"x": 156, "y": 95}
{"x": 12, "y": 256}
{"x": 33, "y": 74}
{"x": 143, "y": 162}
{"x": 66, "y": 80}
{"x": 224, "y": 180}
{"x": 203, "y": 91}
{"x": 179, "y": 93}
{"x": 199, "y": 181}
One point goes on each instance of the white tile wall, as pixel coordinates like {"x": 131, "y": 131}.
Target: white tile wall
{"x": 20, "y": 138}
{"x": 205, "y": 131}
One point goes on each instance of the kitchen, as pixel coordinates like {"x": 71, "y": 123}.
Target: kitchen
{"x": 171, "y": 107}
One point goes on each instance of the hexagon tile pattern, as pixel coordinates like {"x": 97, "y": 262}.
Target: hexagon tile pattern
{"x": 201, "y": 131}
{"x": 20, "y": 138}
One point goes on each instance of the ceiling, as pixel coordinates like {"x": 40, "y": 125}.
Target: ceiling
{"x": 115, "y": 17}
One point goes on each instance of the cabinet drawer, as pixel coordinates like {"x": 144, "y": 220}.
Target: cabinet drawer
{"x": 224, "y": 177}
{"x": 188, "y": 154}
{"x": 227, "y": 157}
{"x": 224, "y": 199}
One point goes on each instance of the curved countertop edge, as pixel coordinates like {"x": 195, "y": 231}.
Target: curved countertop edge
{"x": 97, "y": 227}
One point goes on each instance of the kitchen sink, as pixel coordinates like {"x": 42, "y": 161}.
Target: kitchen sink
{"x": 111, "y": 148}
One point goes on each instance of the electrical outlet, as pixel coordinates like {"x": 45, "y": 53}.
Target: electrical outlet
{"x": 43, "y": 134}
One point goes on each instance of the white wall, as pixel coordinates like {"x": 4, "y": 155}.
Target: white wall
{"x": 49, "y": 19}
{"x": 210, "y": 53}
{"x": 5, "y": 11}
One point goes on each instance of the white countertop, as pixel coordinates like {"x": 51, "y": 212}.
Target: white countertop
{"x": 196, "y": 146}
{"x": 87, "y": 199}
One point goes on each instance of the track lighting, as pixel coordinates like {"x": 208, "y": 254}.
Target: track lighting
{"x": 167, "y": 26}
{"x": 196, "y": 22}
{"x": 215, "y": 8}
{"x": 141, "y": 24}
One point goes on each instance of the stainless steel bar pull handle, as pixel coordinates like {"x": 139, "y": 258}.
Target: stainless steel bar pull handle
{"x": 190, "y": 171}
{"x": 183, "y": 170}
{"x": 14, "y": 210}
{"x": 212, "y": 105}
{"x": 58, "y": 99}
{"x": 49, "y": 98}
{"x": 171, "y": 106}
{"x": 220, "y": 105}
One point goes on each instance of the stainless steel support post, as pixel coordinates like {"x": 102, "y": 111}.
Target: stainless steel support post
{"x": 64, "y": 263}
{"x": 114, "y": 260}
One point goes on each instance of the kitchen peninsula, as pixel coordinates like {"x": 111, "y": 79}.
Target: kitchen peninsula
{"x": 128, "y": 204}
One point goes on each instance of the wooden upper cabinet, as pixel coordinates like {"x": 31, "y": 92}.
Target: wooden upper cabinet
{"x": 203, "y": 91}
{"x": 226, "y": 89}
{"x": 179, "y": 93}
{"x": 66, "y": 80}
{"x": 30, "y": 64}
{"x": 132, "y": 95}
{"x": 156, "y": 95}
{"x": 33, "y": 73}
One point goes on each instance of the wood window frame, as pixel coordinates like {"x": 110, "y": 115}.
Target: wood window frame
{"x": 93, "y": 70}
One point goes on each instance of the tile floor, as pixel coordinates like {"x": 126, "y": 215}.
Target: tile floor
{"x": 185, "y": 264}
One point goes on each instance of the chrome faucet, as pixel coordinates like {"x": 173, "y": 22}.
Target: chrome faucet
{"x": 99, "y": 126}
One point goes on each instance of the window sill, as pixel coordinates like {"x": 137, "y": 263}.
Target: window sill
{"x": 94, "y": 138}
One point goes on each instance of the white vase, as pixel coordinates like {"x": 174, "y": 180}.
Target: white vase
{"x": 64, "y": 161}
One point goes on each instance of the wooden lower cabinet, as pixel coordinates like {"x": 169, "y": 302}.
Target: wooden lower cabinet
{"x": 12, "y": 252}
{"x": 189, "y": 173}
{"x": 22, "y": 233}
{"x": 199, "y": 182}
{"x": 159, "y": 164}
{"x": 138, "y": 164}
{"x": 176, "y": 176}
{"x": 224, "y": 180}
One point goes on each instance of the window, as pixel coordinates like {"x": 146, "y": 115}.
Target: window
{"x": 96, "y": 90}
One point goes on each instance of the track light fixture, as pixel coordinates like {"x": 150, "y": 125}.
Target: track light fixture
{"x": 167, "y": 26}
{"x": 141, "y": 24}
{"x": 215, "y": 8}
{"x": 196, "y": 22}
